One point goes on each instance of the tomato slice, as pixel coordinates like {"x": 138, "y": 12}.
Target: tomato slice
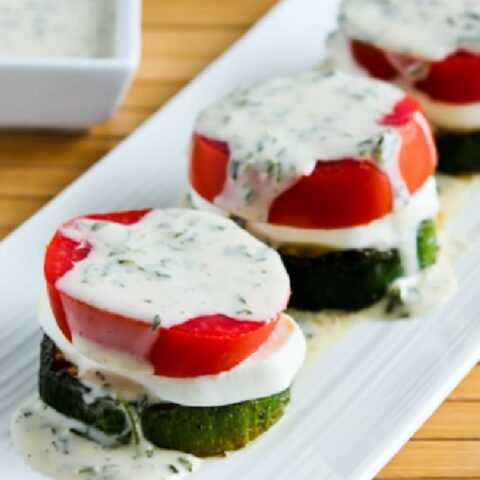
{"x": 338, "y": 194}
{"x": 208, "y": 169}
{"x": 373, "y": 60}
{"x": 199, "y": 346}
{"x": 455, "y": 79}
{"x": 402, "y": 112}
{"x": 418, "y": 154}
{"x": 214, "y": 340}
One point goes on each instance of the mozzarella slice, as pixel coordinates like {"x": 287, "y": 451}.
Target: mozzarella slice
{"x": 381, "y": 234}
{"x": 268, "y": 371}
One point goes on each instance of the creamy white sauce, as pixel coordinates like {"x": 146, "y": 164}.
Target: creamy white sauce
{"x": 419, "y": 295}
{"x": 323, "y": 330}
{"x": 426, "y": 29}
{"x": 278, "y": 130}
{"x": 442, "y": 115}
{"x": 171, "y": 267}
{"x": 44, "y": 439}
{"x": 396, "y": 230}
{"x": 453, "y": 194}
{"x": 268, "y": 371}
{"x": 57, "y": 28}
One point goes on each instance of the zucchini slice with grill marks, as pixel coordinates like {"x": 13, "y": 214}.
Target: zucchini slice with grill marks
{"x": 209, "y": 431}
{"x": 60, "y": 389}
{"x": 202, "y": 431}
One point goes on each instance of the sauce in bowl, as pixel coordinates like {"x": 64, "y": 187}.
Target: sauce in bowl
{"x": 57, "y": 28}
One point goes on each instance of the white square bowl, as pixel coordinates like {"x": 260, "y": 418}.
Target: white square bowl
{"x": 71, "y": 93}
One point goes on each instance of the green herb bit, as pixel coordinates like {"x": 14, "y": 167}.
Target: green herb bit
{"x": 472, "y": 15}
{"x": 244, "y": 311}
{"x": 378, "y": 149}
{"x": 179, "y": 234}
{"x": 85, "y": 470}
{"x": 450, "y": 21}
{"x": 131, "y": 420}
{"x": 149, "y": 452}
{"x": 157, "y": 321}
{"x": 162, "y": 275}
{"x": 395, "y": 302}
{"x": 249, "y": 195}
{"x": 241, "y": 299}
{"x": 186, "y": 463}
{"x": 233, "y": 169}
{"x": 173, "y": 469}
{"x": 98, "y": 226}
{"x": 125, "y": 261}
{"x": 278, "y": 176}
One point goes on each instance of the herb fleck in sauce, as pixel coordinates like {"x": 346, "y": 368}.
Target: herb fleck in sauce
{"x": 278, "y": 130}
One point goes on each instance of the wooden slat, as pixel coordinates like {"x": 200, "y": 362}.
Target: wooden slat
{"x": 178, "y": 54}
{"x": 24, "y": 150}
{"x": 204, "y": 12}
{"x": 171, "y": 69}
{"x": 186, "y": 42}
{"x": 469, "y": 389}
{"x": 4, "y": 231}
{"x": 424, "y": 459}
{"x": 453, "y": 421}
{"x": 16, "y": 210}
{"x": 150, "y": 95}
{"x": 122, "y": 124}
{"x": 35, "y": 182}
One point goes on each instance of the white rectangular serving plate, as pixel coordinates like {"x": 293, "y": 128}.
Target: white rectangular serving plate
{"x": 354, "y": 406}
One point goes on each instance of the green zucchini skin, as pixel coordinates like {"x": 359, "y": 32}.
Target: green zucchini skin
{"x": 427, "y": 244}
{"x": 202, "y": 431}
{"x": 458, "y": 152}
{"x": 64, "y": 393}
{"x": 352, "y": 279}
{"x": 345, "y": 280}
{"x": 211, "y": 431}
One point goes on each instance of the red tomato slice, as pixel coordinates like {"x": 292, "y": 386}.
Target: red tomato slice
{"x": 208, "y": 170}
{"x": 418, "y": 154}
{"x": 373, "y": 60}
{"x": 456, "y": 79}
{"x": 200, "y": 346}
{"x": 402, "y": 112}
{"x": 339, "y": 194}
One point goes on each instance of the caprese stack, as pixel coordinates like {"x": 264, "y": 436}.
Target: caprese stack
{"x": 431, "y": 48}
{"x": 171, "y": 317}
{"x": 335, "y": 171}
